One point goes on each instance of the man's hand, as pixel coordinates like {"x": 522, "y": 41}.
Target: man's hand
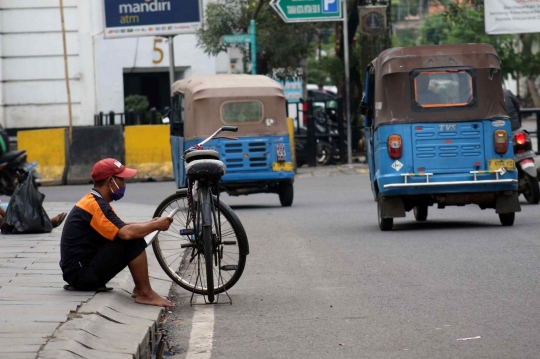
{"x": 139, "y": 230}
{"x": 163, "y": 223}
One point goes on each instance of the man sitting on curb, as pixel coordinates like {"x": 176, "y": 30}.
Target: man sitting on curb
{"x": 96, "y": 244}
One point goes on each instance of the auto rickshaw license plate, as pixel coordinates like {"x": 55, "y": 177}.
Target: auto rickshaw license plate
{"x": 507, "y": 164}
{"x": 282, "y": 166}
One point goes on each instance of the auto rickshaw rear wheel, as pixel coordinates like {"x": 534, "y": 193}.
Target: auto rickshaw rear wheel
{"x": 507, "y": 219}
{"x": 286, "y": 194}
{"x": 385, "y": 224}
{"x": 420, "y": 213}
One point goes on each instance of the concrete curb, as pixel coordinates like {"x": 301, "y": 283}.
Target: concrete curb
{"x": 42, "y": 320}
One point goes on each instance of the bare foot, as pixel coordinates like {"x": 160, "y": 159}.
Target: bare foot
{"x": 57, "y": 220}
{"x": 135, "y": 292}
{"x": 152, "y": 298}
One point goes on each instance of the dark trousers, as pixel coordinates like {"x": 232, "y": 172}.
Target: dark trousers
{"x": 110, "y": 260}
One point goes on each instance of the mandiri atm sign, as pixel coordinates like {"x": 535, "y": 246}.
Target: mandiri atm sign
{"x": 127, "y": 18}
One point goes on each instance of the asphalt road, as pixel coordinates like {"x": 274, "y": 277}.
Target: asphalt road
{"x": 322, "y": 281}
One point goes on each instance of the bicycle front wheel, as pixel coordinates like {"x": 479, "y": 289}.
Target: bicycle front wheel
{"x": 181, "y": 264}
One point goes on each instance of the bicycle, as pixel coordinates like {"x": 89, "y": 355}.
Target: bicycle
{"x": 206, "y": 237}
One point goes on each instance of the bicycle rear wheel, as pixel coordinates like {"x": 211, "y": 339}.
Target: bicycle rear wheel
{"x": 181, "y": 264}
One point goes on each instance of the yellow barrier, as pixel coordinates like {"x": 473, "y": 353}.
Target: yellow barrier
{"x": 148, "y": 150}
{"x": 290, "y": 126}
{"x": 48, "y": 148}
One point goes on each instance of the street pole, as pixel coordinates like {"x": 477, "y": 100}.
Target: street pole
{"x": 171, "y": 61}
{"x": 66, "y": 72}
{"x": 252, "y": 32}
{"x": 347, "y": 81}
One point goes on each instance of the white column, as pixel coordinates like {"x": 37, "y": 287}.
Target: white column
{"x": 1, "y": 83}
{"x": 90, "y": 25}
{"x": 1, "y": 78}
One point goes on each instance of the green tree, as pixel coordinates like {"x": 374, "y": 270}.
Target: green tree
{"x": 136, "y": 103}
{"x": 435, "y": 30}
{"x": 280, "y": 45}
{"x": 465, "y": 24}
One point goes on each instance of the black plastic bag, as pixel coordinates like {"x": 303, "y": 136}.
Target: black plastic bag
{"x": 25, "y": 213}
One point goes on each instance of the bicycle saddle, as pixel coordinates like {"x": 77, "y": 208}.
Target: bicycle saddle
{"x": 205, "y": 168}
{"x": 201, "y": 155}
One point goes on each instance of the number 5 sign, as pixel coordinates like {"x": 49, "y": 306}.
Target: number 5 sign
{"x": 159, "y": 51}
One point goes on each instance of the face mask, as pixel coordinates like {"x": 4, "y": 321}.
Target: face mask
{"x": 121, "y": 191}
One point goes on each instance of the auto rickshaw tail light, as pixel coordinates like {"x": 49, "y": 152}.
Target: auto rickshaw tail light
{"x": 520, "y": 138}
{"x": 395, "y": 148}
{"x": 501, "y": 141}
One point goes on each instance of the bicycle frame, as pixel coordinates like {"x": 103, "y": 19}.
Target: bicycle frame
{"x": 205, "y": 240}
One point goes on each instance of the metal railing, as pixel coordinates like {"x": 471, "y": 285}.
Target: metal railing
{"x": 324, "y": 124}
{"x": 129, "y": 118}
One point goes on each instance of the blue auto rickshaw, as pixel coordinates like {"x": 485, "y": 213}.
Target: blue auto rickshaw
{"x": 437, "y": 132}
{"x": 260, "y": 160}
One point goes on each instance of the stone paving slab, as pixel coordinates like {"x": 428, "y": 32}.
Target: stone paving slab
{"x": 118, "y": 302}
{"x": 43, "y": 329}
{"x": 55, "y": 347}
{"x": 9, "y": 352}
{"x": 121, "y": 344}
{"x": 39, "y": 319}
{"x": 25, "y": 307}
{"x": 6, "y": 343}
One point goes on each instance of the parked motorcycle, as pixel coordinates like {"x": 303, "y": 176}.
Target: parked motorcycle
{"x": 12, "y": 165}
{"x": 527, "y": 174}
{"x": 327, "y": 147}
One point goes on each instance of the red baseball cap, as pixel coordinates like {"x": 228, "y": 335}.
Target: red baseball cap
{"x": 109, "y": 167}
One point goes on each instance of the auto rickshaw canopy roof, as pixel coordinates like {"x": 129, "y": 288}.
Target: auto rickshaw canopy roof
{"x": 394, "y": 70}
{"x": 204, "y": 97}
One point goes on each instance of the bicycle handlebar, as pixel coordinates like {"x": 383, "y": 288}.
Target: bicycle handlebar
{"x": 223, "y": 128}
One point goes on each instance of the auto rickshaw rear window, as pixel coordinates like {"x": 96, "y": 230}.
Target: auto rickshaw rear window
{"x": 241, "y": 111}
{"x": 449, "y": 88}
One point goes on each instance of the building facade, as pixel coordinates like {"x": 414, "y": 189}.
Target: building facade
{"x": 102, "y": 72}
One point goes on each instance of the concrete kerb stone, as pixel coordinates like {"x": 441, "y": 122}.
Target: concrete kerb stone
{"x": 78, "y": 324}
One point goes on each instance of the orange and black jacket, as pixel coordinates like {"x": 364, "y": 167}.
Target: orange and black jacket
{"x": 89, "y": 225}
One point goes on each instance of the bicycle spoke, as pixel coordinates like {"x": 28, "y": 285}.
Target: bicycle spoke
{"x": 176, "y": 260}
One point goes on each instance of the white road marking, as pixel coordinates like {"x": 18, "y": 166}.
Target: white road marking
{"x": 202, "y": 331}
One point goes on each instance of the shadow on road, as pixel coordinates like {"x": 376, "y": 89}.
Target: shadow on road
{"x": 239, "y": 207}
{"x": 438, "y": 225}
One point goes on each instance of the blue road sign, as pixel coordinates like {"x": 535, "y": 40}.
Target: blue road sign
{"x": 330, "y": 6}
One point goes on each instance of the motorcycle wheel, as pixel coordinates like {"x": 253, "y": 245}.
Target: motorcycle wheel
{"x": 324, "y": 154}
{"x": 532, "y": 189}
{"x": 8, "y": 181}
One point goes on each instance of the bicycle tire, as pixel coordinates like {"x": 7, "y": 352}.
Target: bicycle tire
{"x": 208, "y": 250}
{"x": 168, "y": 243}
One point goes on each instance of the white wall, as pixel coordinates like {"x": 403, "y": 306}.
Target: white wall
{"x": 116, "y": 56}
{"x": 32, "y": 69}
{"x": 33, "y": 91}
{"x": 1, "y": 81}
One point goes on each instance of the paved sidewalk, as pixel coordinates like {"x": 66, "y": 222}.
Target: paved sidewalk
{"x": 42, "y": 320}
